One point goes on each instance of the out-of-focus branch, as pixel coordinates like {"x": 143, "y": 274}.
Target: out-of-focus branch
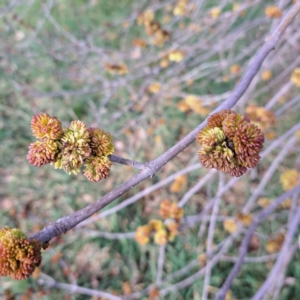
{"x": 68, "y": 222}
{"x": 268, "y": 175}
{"x": 160, "y": 264}
{"x": 196, "y": 188}
{"x": 140, "y": 194}
{"x": 283, "y": 258}
{"x": 210, "y": 239}
{"x": 72, "y": 288}
{"x": 245, "y": 243}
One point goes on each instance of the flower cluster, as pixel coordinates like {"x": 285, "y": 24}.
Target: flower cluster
{"x": 163, "y": 231}
{"x": 70, "y": 148}
{"x": 153, "y": 28}
{"x": 169, "y": 210}
{"x": 193, "y": 103}
{"x": 289, "y": 179}
{"x": 230, "y": 143}
{"x": 19, "y": 256}
{"x": 120, "y": 69}
{"x": 295, "y": 77}
{"x": 260, "y": 116}
{"x": 49, "y": 130}
{"x": 273, "y": 12}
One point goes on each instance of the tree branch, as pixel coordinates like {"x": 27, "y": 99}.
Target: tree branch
{"x": 72, "y": 288}
{"x": 127, "y": 162}
{"x": 66, "y": 223}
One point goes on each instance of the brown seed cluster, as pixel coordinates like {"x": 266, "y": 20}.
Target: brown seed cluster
{"x": 230, "y": 143}
{"x": 70, "y": 148}
{"x": 19, "y": 256}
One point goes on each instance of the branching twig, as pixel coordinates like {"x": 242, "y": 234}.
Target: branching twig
{"x": 68, "y": 222}
{"x": 139, "y": 195}
{"x": 107, "y": 235}
{"x": 51, "y": 283}
{"x": 127, "y": 162}
{"x": 283, "y": 258}
{"x": 196, "y": 188}
{"x": 269, "y": 174}
{"x": 210, "y": 237}
{"x": 160, "y": 264}
{"x": 245, "y": 243}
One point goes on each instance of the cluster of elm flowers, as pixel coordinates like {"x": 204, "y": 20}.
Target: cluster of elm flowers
{"x": 162, "y": 231}
{"x": 19, "y": 256}
{"x": 230, "y": 143}
{"x": 70, "y": 148}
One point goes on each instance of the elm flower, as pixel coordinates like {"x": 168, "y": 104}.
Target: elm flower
{"x": 273, "y": 12}
{"x": 161, "y": 237}
{"x": 156, "y": 225}
{"x": 295, "y": 78}
{"x": 96, "y": 168}
{"x": 170, "y": 210}
{"x": 172, "y": 230}
{"x": 70, "y": 148}
{"x": 260, "y": 116}
{"x": 164, "y": 209}
{"x": 41, "y": 153}
{"x": 230, "y": 143}
{"x": 101, "y": 142}
{"x": 176, "y": 212}
{"x": 19, "y": 256}
{"x": 75, "y": 144}
{"x": 45, "y": 126}
{"x": 142, "y": 235}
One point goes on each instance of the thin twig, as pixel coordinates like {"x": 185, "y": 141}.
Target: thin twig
{"x": 160, "y": 264}
{"x": 197, "y": 187}
{"x": 51, "y": 283}
{"x": 127, "y": 162}
{"x": 253, "y": 260}
{"x": 283, "y": 258}
{"x": 140, "y": 195}
{"x": 244, "y": 246}
{"x": 189, "y": 280}
{"x": 269, "y": 174}
{"x": 107, "y": 235}
{"x": 210, "y": 237}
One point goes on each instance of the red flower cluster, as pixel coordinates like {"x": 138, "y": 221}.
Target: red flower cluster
{"x": 230, "y": 143}
{"x": 19, "y": 256}
{"x": 70, "y": 148}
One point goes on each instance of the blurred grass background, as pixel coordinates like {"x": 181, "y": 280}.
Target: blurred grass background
{"x": 52, "y": 60}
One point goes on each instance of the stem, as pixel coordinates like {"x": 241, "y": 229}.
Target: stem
{"x": 127, "y": 162}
